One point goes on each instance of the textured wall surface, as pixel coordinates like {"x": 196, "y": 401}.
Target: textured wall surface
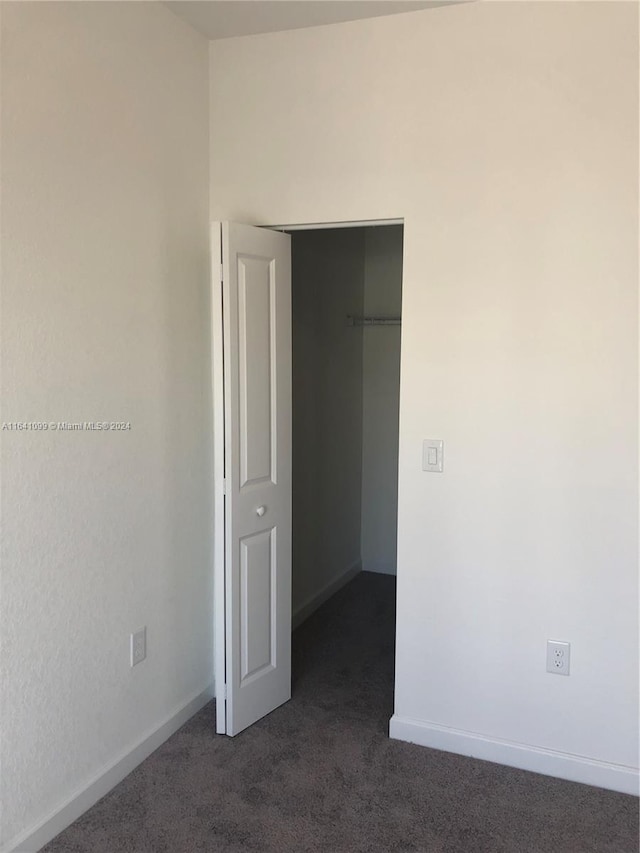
{"x": 506, "y": 135}
{"x": 104, "y": 318}
{"x": 381, "y": 399}
{"x": 328, "y": 284}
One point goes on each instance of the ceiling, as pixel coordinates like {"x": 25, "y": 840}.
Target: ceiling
{"x": 219, "y": 19}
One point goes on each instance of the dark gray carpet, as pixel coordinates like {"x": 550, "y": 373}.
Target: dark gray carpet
{"x": 320, "y": 774}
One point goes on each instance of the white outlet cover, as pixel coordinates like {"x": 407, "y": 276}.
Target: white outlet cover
{"x": 558, "y": 657}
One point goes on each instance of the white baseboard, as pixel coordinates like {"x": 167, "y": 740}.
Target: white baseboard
{"x": 107, "y": 778}
{"x": 304, "y": 610}
{"x": 575, "y": 768}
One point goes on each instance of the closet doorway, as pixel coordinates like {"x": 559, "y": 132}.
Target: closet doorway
{"x": 346, "y": 330}
{"x": 346, "y": 290}
{"x": 306, "y": 369}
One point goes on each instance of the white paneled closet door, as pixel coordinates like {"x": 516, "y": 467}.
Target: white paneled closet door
{"x": 256, "y": 296}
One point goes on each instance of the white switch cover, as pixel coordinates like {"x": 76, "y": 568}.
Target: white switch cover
{"x": 432, "y": 454}
{"x": 138, "y": 646}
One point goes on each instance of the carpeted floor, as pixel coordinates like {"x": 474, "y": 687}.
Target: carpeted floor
{"x": 320, "y": 774}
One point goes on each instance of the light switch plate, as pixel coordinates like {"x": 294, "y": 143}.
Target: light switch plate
{"x": 138, "y": 646}
{"x": 432, "y": 455}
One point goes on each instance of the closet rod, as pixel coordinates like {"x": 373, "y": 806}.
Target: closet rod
{"x": 373, "y": 321}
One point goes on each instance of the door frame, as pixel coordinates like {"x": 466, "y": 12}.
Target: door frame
{"x": 327, "y": 226}
{"x": 218, "y": 418}
{"x": 218, "y": 422}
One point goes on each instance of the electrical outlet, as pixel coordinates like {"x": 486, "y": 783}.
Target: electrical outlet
{"x": 558, "y": 657}
{"x": 138, "y": 646}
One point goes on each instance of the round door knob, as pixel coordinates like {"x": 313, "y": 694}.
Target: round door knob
{"x": 261, "y": 511}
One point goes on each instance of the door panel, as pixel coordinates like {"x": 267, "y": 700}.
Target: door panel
{"x": 257, "y": 367}
{"x": 257, "y": 360}
{"x": 258, "y": 619}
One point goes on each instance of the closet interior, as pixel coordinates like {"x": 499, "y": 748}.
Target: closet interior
{"x": 346, "y": 333}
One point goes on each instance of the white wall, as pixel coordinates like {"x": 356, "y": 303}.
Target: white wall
{"x": 381, "y": 399}
{"x": 328, "y": 284}
{"x": 506, "y": 136}
{"x": 104, "y": 310}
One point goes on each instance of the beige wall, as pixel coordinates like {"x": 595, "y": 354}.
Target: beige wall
{"x": 506, "y": 136}
{"x": 104, "y": 317}
{"x": 328, "y": 284}
{"x": 381, "y": 399}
